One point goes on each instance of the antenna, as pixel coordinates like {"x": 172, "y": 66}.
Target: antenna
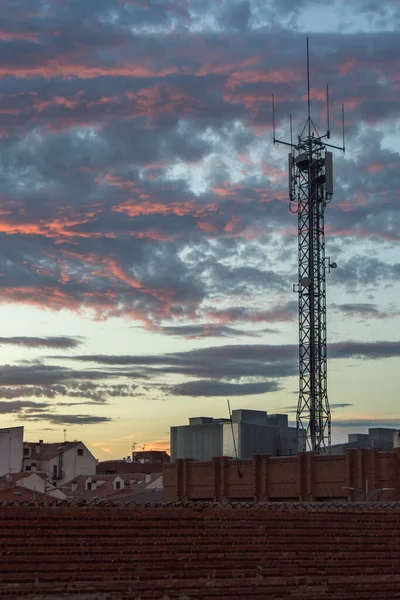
{"x": 234, "y": 440}
{"x": 310, "y": 190}
{"x": 308, "y": 91}
{"x": 273, "y": 117}
{"x": 328, "y": 132}
{"x": 291, "y": 129}
{"x": 343, "y": 127}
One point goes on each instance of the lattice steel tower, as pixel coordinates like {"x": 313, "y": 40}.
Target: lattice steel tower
{"x": 310, "y": 190}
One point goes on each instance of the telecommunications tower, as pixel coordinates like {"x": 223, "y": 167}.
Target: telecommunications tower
{"x": 310, "y": 190}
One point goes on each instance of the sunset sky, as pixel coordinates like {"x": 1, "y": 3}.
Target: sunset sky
{"x": 147, "y": 250}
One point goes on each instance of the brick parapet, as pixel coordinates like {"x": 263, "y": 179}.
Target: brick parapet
{"x": 307, "y": 477}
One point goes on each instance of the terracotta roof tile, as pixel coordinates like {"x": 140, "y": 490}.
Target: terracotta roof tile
{"x": 105, "y": 488}
{"x": 313, "y": 507}
{"x": 20, "y": 494}
{"x": 46, "y": 451}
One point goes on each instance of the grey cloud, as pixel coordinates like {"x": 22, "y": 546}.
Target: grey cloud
{"x": 365, "y": 350}
{"x": 18, "y": 406}
{"x": 94, "y": 392}
{"x": 393, "y": 422}
{"x": 58, "y": 419}
{"x": 43, "y": 377}
{"x": 216, "y": 388}
{"x": 366, "y": 271}
{"x": 211, "y": 330}
{"x": 61, "y": 342}
{"x": 235, "y": 364}
{"x": 95, "y": 115}
{"x": 365, "y": 310}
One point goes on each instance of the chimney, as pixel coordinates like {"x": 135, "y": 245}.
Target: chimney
{"x": 40, "y": 442}
{"x": 74, "y": 485}
{"x": 396, "y": 439}
{"x": 148, "y": 477}
{"x": 127, "y": 484}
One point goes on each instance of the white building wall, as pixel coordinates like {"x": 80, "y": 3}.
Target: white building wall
{"x": 228, "y": 446}
{"x": 72, "y": 464}
{"x": 32, "y": 482}
{"x": 11, "y": 450}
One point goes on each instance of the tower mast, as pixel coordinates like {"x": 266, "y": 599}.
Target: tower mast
{"x": 310, "y": 190}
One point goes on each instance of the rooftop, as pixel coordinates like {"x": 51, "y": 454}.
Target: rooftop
{"x": 105, "y": 486}
{"x": 14, "y": 477}
{"x": 45, "y": 451}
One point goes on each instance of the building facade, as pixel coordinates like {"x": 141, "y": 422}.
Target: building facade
{"x": 152, "y": 457}
{"x": 11, "y": 450}
{"x": 36, "y": 482}
{"x": 250, "y": 432}
{"x": 61, "y": 461}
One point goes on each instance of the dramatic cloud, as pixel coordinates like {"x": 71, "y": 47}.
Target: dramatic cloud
{"x": 138, "y": 180}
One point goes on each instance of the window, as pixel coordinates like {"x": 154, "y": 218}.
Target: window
{"x": 80, "y": 451}
{"x": 26, "y": 452}
{"x": 117, "y": 485}
{"x": 89, "y": 485}
{"x": 54, "y": 471}
{"x": 28, "y": 468}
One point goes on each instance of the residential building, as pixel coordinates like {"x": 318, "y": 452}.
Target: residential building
{"x": 115, "y": 467}
{"x": 20, "y": 494}
{"x": 249, "y": 432}
{"x": 61, "y": 461}
{"x": 381, "y": 438}
{"x": 33, "y": 481}
{"x": 11, "y": 444}
{"x": 154, "y": 457}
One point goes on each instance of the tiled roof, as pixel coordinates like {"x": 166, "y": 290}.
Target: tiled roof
{"x": 138, "y": 496}
{"x": 48, "y": 451}
{"x": 105, "y": 485}
{"x": 14, "y": 477}
{"x": 291, "y": 507}
{"x": 121, "y": 467}
{"x": 19, "y": 494}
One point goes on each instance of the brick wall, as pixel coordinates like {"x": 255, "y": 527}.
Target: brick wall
{"x": 306, "y": 477}
{"x": 264, "y": 552}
